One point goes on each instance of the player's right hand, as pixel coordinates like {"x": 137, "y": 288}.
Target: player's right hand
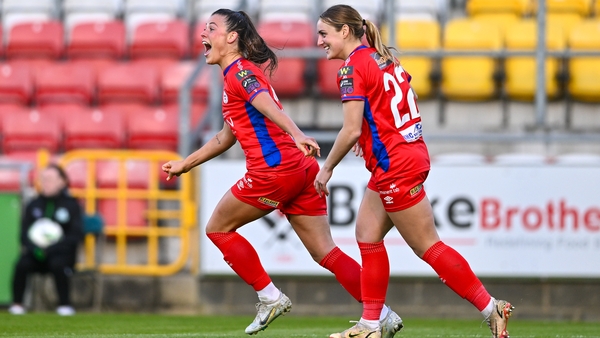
{"x": 173, "y": 168}
{"x": 357, "y": 149}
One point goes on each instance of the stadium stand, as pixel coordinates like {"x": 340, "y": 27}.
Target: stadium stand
{"x": 16, "y": 83}
{"x": 110, "y": 7}
{"x": 204, "y": 8}
{"x": 580, "y": 7}
{"x": 520, "y": 70}
{"x": 96, "y": 39}
{"x": 502, "y": 20}
{"x": 585, "y": 71}
{"x": 368, "y": 9}
{"x": 35, "y": 40}
{"x": 152, "y": 128}
{"x": 48, "y": 7}
{"x": 173, "y": 77}
{"x": 470, "y": 78}
{"x": 419, "y": 9}
{"x": 284, "y": 11}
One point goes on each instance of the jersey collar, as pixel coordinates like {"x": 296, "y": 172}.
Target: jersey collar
{"x": 357, "y": 49}
{"x": 231, "y": 64}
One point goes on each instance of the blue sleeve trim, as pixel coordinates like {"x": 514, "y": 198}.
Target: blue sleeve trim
{"x": 254, "y": 95}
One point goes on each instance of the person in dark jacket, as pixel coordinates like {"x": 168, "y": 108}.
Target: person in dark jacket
{"x": 55, "y": 204}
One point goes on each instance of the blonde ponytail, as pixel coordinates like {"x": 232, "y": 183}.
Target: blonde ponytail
{"x": 375, "y": 41}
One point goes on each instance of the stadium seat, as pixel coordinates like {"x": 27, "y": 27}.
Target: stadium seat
{"x": 368, "y": 9}
{"x": 419, "y": 9}
{"x": 327, "y": 77}
{"x": 173, "y": 7}
{"x": 135, "y": 174}
{"x": 30, "y": 6}
{"x": 565, "y": 21}
{"x": 16, "y": 83}
{"x": 77, "y": 172}
{"x": 579, "y": 7}
{"x": 97, "y": 40}
{"x": 286, "y": 11}
{"x": 11, "y": 178}
{"x": 204, "y": 8}
{"x": 597, "y": 8}
{"x": 30, "y": 131}
{"x": 134, "y": 214}
{"x": 519, "y": 7}
{"x": 174, "y": 76}
{"x": 94, "y": 129}
{"x": 65, "y": 82}
{"x": 288, "y": 80}
{"x": 62, "y": 111}
{"x": 111, "y": 7}
{"x": 160, "y": 39}
{"x": 502, "y": 20}
{"x": 152, "y": 128}
{"x": 125, "y": 82}
{"x": 197, "y": 113}
{"x": 470, "y": 78}
{"x": 520, "y": 81}
{"x": 585, "y": 71}
{"x": 35, "y": 40}
{"x": 418, "y": 35}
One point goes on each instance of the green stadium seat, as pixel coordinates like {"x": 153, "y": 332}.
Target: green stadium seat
{"x": 585, "y": 71}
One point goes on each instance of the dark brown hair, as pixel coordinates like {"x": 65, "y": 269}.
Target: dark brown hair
{"x": 250, "y": 44}
{"x": 61, "y": 172}
{"x": 339, "y": 15}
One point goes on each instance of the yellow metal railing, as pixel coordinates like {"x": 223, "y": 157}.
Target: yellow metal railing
{"x": 184, "y": 215}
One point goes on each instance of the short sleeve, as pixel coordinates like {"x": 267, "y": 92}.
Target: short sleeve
{"x": 351, "y": 83}
{"x": 248, "y": 84}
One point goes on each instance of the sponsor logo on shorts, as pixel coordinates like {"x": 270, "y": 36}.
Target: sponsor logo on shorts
{"x": 268, "y": 202}
{"x": 389, "y": 200}
{"x": 416, "y": 189}
{"x": 393, "y": 189}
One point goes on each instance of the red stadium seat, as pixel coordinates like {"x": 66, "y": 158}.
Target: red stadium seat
{"x": 198, "y": 112}
{"x": 97, "y": 40}
{"x": 172, "y": 80}
{"x": 327, "y": 82}
{"x": 160, "y": 39}
{"x": 16, "y": 83}
{"x": 77, "y": 173}
{"x": 96, "y": 66}
{"x": 94, "y": 129}
{"x": 135, "y": 212}
{"x": 62, "y": 111}
{"x": 135, "y": 173}
{"x": 151, "y": 128}
{"x": 127, "y": 82}
{"x": 35, "y": 40}
{"x": 31, "y": 131}
{"x": 65, "y": 82}
{"x": 288, "y": 80}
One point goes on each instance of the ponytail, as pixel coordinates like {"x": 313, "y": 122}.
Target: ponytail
{"x": 339, "y": 15}
{"x": 250, "y": 44}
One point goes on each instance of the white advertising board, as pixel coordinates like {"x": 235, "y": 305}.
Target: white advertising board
{"x": 538, "y": 221}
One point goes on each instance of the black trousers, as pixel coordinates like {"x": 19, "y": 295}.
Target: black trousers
{"x": 59, "y": 265}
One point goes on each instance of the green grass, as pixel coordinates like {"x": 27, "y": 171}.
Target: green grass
{"x": 146, "y": 325}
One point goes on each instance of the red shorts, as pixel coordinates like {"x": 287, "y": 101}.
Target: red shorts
{"x": 399, "y": 193}
{"x": 293, "y": 194}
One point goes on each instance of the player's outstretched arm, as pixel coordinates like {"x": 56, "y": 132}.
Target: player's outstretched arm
{"x": 344, "y": 142}
{"x": 215, "y": 147}
{"x": 265, "y": 104}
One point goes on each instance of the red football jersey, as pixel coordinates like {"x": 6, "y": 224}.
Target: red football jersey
{"x": 391, "y": 130}
{"x": 265, "y": 145}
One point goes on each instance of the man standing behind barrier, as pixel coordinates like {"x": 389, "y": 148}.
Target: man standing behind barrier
{"x": 51, "y": 229}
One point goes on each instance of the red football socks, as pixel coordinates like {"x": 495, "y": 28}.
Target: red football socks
{"x": 241, "y": 256}
{"x": 374, "y": 278}
{"x": 345, "y": 269}
{"x": 455, "y": 272}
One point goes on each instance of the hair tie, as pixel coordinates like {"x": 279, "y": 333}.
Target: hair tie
{"x": 364, "y": 22}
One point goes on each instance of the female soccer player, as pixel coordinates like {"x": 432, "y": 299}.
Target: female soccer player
{"x": 279, "y": 176}
{"x": 381, "y": 114}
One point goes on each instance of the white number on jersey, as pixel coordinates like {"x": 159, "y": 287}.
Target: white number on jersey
{"x": 395, "y": 81}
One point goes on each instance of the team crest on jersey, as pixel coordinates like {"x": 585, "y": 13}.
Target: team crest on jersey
{"x": 243, "y": 73}
{"x": 225, "y": 98}
{"x": 346, "y": 70}
{"x": 250, "y": 83}
{"x": 381, "y": 61}
{"x": 347, "y": 86}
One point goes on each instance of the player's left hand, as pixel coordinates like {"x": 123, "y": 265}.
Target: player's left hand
{"x": 308, "y": 146}
{"x": 321, "y": 182}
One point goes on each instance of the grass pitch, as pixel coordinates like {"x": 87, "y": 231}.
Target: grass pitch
{"x": 149, "y": 325}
